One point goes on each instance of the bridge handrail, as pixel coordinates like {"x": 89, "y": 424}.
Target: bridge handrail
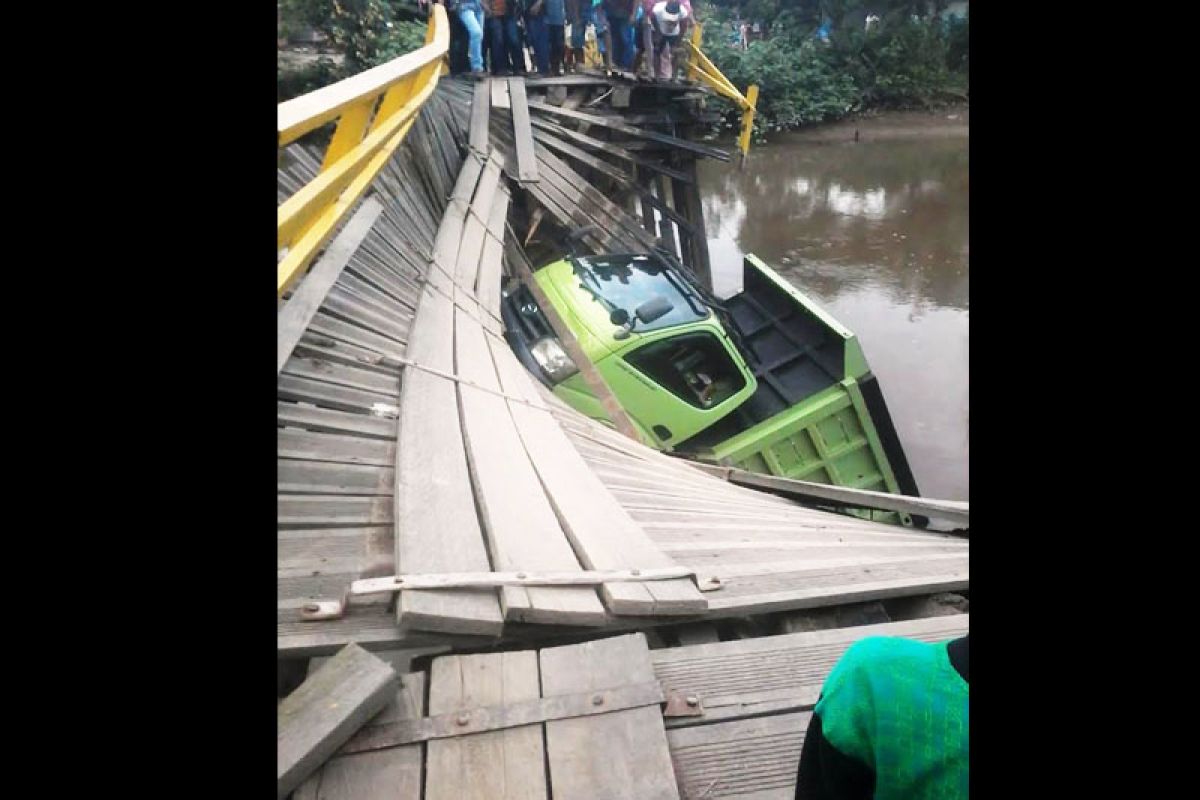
{"x": 701, "y": 69}
{"x": 361, "y": 143}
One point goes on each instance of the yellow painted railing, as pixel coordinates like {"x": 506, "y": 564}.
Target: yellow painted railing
{"x": 703, "y": 70}
{"x": 374, "y": 111}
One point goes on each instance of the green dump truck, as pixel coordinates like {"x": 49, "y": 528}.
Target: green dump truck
{"x": 764, "y": 380}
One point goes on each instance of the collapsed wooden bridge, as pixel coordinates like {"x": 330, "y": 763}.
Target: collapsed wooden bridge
{"x": 413, "y": 446}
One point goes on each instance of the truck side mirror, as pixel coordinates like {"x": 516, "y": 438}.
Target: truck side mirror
{"x": 654, "y": 308}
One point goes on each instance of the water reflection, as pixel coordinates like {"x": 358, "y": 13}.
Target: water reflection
{"x": 877, "y": 232}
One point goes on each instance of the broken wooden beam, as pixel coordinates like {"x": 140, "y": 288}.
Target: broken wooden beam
{"x": 950, "y": 510}
{"x": 327, "y": 709}
{"x": 630, "y": 130}
{"x": 522, "y": 133}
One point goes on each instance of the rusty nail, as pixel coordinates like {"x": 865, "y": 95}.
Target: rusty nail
{"x": 311, "y": 608}
{"x": 463, "y": 718}
{"x": 692, "y": 700}
{"x": 597, "y": 699}
{"x": 399, "y": 579}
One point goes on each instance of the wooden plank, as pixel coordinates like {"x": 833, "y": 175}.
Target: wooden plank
{"x": 322, "y": 419}
{"x": 392, "y": 774}
{"x": 629, "y": 130}
{"x": 329, "y": 371}
{"x": 755, "y": 758}
{"x": 950, "y": 510}
{"x": 601, "y": 532}
{"x": 500, "y": 93}
{"x": 377, "y": 300}
{"x": 307, "y": 298}
{"x": 326, "y": 710}
{"x": 617, "y": 149}
{"x": 505, "y": 765}
{"x": 437, "y": 527}
{"x": 293, "y": 443}
{"x": 481, "y": 104}
{"x": 487, "y": 286}
{"x": 314, "y": 345}
{"x": 522, "y": 133}
{"x": 619, "y": 755}
{"x": 522, "y": 530}
{"x": 467, "y": 262}
{"x": 393, "y": 324}
{"x": 320, "y": 477}
{"x": 340, "y": 330}
{"x": 772, "y": 674}
{"x": 328, "y": 395}
{"x": 320, "y": 509}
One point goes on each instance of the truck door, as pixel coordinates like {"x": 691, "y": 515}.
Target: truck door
{"x": 676, "y": 386}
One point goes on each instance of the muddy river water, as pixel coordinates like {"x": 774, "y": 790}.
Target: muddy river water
{"x": 876, "y": 232}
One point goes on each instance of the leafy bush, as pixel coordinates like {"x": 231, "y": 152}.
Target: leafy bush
{"x": 796, "y": 85}
{"x": 366, "y": 32}
{"x": 903, "y": 59}
{"x": 295, "y": 82}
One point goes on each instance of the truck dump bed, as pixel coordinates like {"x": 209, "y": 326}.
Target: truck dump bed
{"x": 818, "y": 413}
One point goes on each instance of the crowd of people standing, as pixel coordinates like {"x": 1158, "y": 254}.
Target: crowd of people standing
{"x": 550, "y": 37}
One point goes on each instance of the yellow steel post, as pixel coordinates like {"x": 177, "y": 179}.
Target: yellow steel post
{"x": 697, "y": 38}
{"x": 349, "y": 133}
{"x": 748, "y": 120}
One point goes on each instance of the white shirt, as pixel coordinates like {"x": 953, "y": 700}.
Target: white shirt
{"x": 668, "y": 24}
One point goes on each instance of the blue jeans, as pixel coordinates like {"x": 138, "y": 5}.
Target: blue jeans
{"x": 578, "y": 29}
{"x": 471, "y": 15}
{"x": 622, "y": 56}
{"x": 505, "y": 42}
{"x": 539, "y": 37}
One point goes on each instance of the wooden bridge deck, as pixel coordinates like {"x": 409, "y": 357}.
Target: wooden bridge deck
{"x": 755, "y": 698}
{"x": 402, "y": 409}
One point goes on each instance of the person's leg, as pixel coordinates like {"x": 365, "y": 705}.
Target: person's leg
{"x": 539, "y": 38}
{"x": 499, "y": 55}
{"x": 616, "y": 29}
{"x": 603, "y": 35}
{"x": 512, "y": 41}
{"x": 630, "y": 46}
{"x": 557, "y": 35}
{"x": 472, "y": 20}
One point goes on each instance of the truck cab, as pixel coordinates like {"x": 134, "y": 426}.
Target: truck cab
{"x": 652, "y": 337}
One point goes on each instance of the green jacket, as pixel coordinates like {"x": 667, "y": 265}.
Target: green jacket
{"x": 893, "y": 723}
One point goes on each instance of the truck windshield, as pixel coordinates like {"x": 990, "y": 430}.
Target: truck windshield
{"x": 627, "y": 281}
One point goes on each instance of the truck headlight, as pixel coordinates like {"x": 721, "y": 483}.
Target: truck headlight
{"x": 553, "y": 360}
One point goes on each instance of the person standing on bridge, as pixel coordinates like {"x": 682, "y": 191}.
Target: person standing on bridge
{"x": 470, "y": 14}
{"x": 503, "y": 37}
{"x": 667, "y": 19}
{"x": 893, "y": 722}
{"x": 556, "y": 24}
{"x": 539, "y": 36}
{"x": 579, "y": 12}
{"x": 619, "y": 14}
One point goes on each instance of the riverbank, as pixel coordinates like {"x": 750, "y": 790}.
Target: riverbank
{"x": 949, "y": 122}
